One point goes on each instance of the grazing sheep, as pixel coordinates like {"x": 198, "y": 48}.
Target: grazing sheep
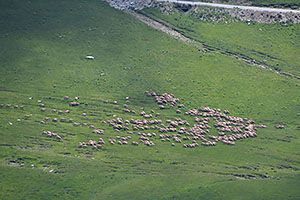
{"x": 98, "y": 131}
{"x": 89, "y": 57}
{"x": 76, "y": 124}
{"x": 180, "y": 106}
{"x": 50, "y": 134}
{"x": 74, "y": 103}
{"x": 116, "y": 107}
{"x": 279, "y": 127}
{"x": 66, "y": 97}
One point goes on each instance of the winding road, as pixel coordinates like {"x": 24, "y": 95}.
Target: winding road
{"x": 264, "y": 9}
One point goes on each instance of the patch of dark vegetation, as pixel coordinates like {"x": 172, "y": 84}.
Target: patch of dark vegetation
{"x": 15, "y": 163}
{"x": 288, "y": 167}
{"x": 182, "y": 7}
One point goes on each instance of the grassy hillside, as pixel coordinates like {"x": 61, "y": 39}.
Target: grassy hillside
{"x": 276, "y": 45}
{"x": 42, "y": 56}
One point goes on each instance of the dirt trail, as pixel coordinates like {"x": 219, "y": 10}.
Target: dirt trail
{"x": 253, "y": 8}
{"x": 176, "y": 34}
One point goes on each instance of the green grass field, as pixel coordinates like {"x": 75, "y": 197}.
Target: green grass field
{"x": 43, "y": 45}
{"x": 275, "y": 45}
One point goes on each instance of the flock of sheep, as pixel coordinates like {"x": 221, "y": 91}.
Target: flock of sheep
{"x": 149, "y": 129}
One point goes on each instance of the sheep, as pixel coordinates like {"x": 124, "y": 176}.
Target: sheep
{"x": 180, "y": 106}
{"x": 98, "y": 131}
{"x": 51, "y": 134}
{"x": 63, "y": 119}
{"x": 279, "y": 127}
{"x": 89, "y": 57}
{"x": 76, "y": 124}
{"x": 116, "y": 107}
{"x": 74, "y": 103}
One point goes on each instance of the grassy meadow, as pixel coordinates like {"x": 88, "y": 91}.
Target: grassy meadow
{"x": 275, "y": 45}
{"x": 43, "y": 45}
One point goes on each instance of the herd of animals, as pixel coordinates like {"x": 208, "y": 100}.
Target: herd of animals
{"x": 149, "y": 129}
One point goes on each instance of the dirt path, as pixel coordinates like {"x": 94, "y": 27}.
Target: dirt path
{"x": 176, "y": 34}
{"x": 264, "y": 9}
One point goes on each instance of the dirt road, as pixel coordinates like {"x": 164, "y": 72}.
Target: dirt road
{"x": 264, "y": 9}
